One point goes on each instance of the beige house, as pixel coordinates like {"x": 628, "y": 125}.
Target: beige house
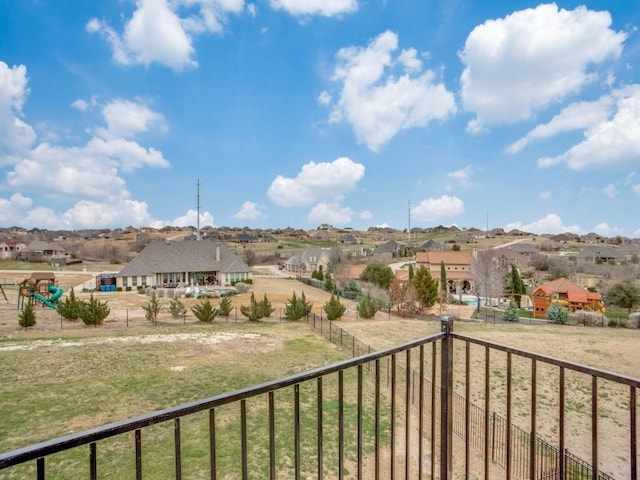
{"x": 457, "y": 267}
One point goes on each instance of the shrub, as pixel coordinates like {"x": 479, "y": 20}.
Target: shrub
{"x": 265, "y": 307}
{"x": 204, "y": 311}
{"x": 94, "y": 311}
{"x": 152, "y": 309}
{"x": 511, "y": 312}
{"x": 297, "y": 307}
{"x": 367, "y": 307}
{"x": 225, "y": 307}
{"x": 27, "y": 317}
{"x": 334, "y": 309}
{"x": 253, "y": 312}
{"x": 558, "y": 314}
{"x": 177, "y": 308}
{"x": 69, "y": 308}
{"x": 242, "y": 287}
{"x": 582, "y": 317}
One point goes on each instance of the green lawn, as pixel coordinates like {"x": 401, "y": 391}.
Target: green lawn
{"x": 54, "y": 390}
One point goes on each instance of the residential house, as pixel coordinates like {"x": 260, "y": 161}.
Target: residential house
{"x": 10, "y": 247}
{"x": 171, "y": 264}
{"x": 433, "y": 245}
{"x": 310, "y": 260}
{"x": 566, "y": 293}
{"x": 42, "y": 251}
{"x": 457, "y": 268}
{"x": 387, "y": 251}
{"x": 524, "y": 249}
{"x": 600, "y": 254}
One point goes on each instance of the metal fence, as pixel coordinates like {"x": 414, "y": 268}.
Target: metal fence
{"x": 392, "y": 413}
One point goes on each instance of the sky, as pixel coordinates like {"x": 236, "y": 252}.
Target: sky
{"x": 354, "y": 113}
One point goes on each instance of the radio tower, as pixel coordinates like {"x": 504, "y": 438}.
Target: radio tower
{"x": 198, "y": 212}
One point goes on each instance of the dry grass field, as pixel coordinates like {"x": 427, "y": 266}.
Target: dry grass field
{"x": 610, "y": 349}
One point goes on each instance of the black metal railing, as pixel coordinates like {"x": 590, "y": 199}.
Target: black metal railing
{"x": 393, "y": 413}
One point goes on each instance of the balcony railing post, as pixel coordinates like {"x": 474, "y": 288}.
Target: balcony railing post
{"x": 446, "y": 400}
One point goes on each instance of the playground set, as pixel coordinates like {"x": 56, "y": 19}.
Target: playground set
{"x": 40, "y": 286}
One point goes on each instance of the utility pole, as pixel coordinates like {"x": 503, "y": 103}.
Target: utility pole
{"x": 409, "y": 229}
{"x": 198, "y": 212}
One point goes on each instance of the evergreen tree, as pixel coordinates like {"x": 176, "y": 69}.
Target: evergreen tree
{"x": 265, "y": 307}
{"x": 253, "y": 311}
{"x": 443, "y": 277}
{"x": 410, "y": 272}
{"x": 204, "y": 311}
{"x": 152, "y": 309}
{"x": 333, "y": 308}
{"x": 225, "y": 306}
{"x": 69, "y": 308}
{"x": 297, "y": 307}
{"x": 94, "y": 312}
{"x": 329, "y": 286}
{"x": 177, "y": 308}
{"x": 27, "y": 317}
{"x": 515, "y": 285}
{"x": 558, "y": 314}
{"x": 511, "y": 313}
{"x": 426, "y": 288}
{"x": 367, "y": 307}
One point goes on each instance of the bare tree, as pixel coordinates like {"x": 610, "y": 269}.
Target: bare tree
{"x": 487, "y": 275}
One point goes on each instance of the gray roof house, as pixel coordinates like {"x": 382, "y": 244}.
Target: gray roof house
{"x": 172, "y": 264}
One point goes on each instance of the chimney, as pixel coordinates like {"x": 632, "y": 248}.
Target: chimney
{"x": 217, "y": 252}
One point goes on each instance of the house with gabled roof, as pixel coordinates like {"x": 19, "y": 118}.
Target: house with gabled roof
{"x": 600, "y": 254}
{"x": 457, "y": 268}
{"x": 310, "y": 260}
{"x": 566, "y": 293}
{"x": 172, "y": 264}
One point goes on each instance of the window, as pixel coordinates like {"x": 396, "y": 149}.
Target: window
{"x": 134, "y": 281}
{"x": 125, "y": 281}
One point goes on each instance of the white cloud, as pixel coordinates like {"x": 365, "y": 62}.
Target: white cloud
{"x": 324, "y": 98}
{"x": 252, "y": 10}
{"x": 546, "y": 195}
{"x": 436, "y": 208}
{"x": 325, "y": 8}
{"x": 316, "y": 180}
{"x": 461, "y": 176}
{"x": 161, "y": 31}
{"x": 126, "y": 119}
{"x": 189, "y": 219}
{"x": 551, "y": 223}
{"x": 15, "y": 135}
{"x": 576, "y": 116}
{"x": 377, "y": 100}
{"x": 609, "y": 143}
{"x": 249, "y": 211}
{"x": 366, "y": 215}
{"x": 519, "y": 64}
{"x": 628, "y": 180}
{"x": 331, "y": 213}
{"x": 606, "y": 231}
{"x": 610, "y": 190}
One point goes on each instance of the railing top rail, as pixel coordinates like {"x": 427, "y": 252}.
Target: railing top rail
{"x": 596, "y": 372}
{"x": 55, "y": 445}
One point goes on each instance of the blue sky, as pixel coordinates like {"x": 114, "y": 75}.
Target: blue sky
{"x": 302, "y": 112}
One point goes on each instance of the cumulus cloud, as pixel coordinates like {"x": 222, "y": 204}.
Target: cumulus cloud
{"x": 366, "y": 215}
{"x": 316, "y": 180}
{"x": 606, "y": 231}
{"x": 126, "y": 119}
{"x": 461, "y": 176}
{"x": 610, "y": 190}
{"x": 383, "y": 92}
{"x": 189, "y": 219}
{"x": 551, "y": 223}
{"x": 324, "y": 8}
{"x": 519, "y": 64}
{"x": 15, "y": 135}
{"x": 249, "y": 211}
{"x": 161, "y": 31}
{"x": 610, "y": 142}
{"x": 91, "y": 175}
{"x": 436, "y": 208}
{"x": 330, "y": 212}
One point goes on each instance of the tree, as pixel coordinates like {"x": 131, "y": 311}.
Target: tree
{"x": 333, "y": 308}
{"x": 152, "y": 309}
{"x": 514, "y": 285}
{"x": 624, "y": 294}
{"x": 265, "y": 307}
{"x": 204, "y": 311}
{"x": 378, "y": 274}
{"x": 27, "y": 317}
{"x": 443, "y": 294}
{"x": 69, "y": 308}
{"x": 329, "y": 285}
{"x": 225, "y": 306}
{"x": 511, "y": 313}
{"x": 367, "y": 307}
{"x": 426, "y": 288}
{"x": 403, "y": 294}
{"x": 297, "y": 307}
{"x": 488, "y": 279}
{"x": 318, "y": 275}
{"x": 558, "y": 314}
{"x": 177, "y": 308}
{"x": 94, "y": 311}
